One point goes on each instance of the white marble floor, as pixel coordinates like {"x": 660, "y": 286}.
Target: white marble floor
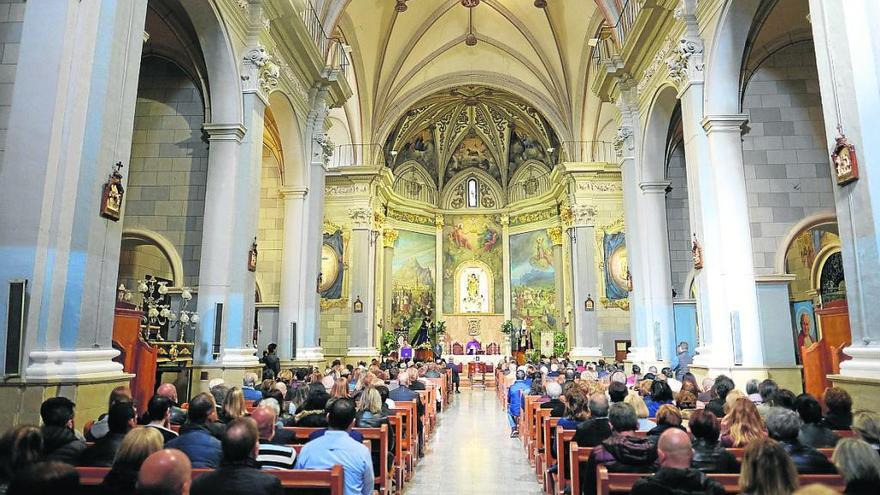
{"x": 472, "y": 452}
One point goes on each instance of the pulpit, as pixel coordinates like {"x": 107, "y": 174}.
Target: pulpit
{"x": 477, "y": 373}
{"x": 136, "y": 356}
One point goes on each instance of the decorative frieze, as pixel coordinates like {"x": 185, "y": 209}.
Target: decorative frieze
{"x": 346, "y": 190}
{"x": 408, "y": 217}
{"x": 686, "y": 61}
{"x": 599, "y": 187}
{"x": 360, "y": 217}
{"x": 657, "y": 62}
{"x": 532, "y": 217}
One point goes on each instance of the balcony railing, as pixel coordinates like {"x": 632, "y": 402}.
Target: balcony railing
{"x": 628, "y": 15}
{"x": 353, "y": 155}
{"x": 529, "y": 187}
{"x": 315, "y": 28}
{"x": 589, "y": 151}
{"x": 337, "y": 58}
{"x": 416, "y": 191}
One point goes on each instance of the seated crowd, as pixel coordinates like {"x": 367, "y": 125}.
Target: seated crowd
{"x": 667, "y": 424}
{"x": 236, "y": 432}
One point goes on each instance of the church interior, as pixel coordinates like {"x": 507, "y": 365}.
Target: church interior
{"x": 192, "y": 190}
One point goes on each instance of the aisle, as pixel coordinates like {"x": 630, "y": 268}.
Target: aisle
{"x": 472, "y": 452}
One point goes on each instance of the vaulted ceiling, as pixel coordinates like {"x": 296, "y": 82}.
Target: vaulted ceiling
{"x": 399, "y": 58}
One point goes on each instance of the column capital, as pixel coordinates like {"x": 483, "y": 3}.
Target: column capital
{"x": 655, "y": 187}
{"x": 624, "y": 143}
{"x": 686, "y": 62}
{"x": 439, "y": 221}
{"x": 293, "y": 192}
{"x": 259, "y": 72}
{"x": 724, "y": 122}
{"x": 555, "y": 235}
{"x": 220, "y": 131}
{"x": 389, "y": 236}
{"x": 361, "y": 217}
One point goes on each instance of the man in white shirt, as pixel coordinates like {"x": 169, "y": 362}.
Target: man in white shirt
{"x": 270, "y": 456}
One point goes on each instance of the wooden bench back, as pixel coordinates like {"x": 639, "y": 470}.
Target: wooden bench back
{"x": 608, "y": 483}
{"x": 739, "y": 452}
{"x": 577, "y": 456}
{"x": 293, "y": 481}
{"x": 563, "y": 449}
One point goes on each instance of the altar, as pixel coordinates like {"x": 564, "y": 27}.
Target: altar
{"x": 485, "y": 328}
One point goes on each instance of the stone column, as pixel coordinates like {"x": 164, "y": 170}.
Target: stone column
{"x": 658, "y": 275}
{"x": 555, "y": 234}
{"x": 70, "y": 118}
{"x": 438, "y": 264}
{"x": 848, "y": 65}
{"x": 313, "y": 222}
{"x": 584, "y": 284}
{"x": 360, "y": 343}
{"x": 292, "y": 286}
{"x": 389, "y": 237}
{"x": 505, "y": 263}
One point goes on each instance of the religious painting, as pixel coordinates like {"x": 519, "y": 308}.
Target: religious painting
{"x": 472, "y": 152}
{"x": 533, "y": 281}
{"x": 112, "y": 194}
{"x": 524, "y": 147}
{"x": 470, "y": 241}
{"x": 805, "y": 331}
{"x": 846, "y": 163}
{"x": 420, "y": 148}
{"x": 473, "y": 288}
{"x": 330, "y": 282}
{"x": 412, "y": 279}
{"x": 801, "y": 257}
{"x": 617, "y": 281}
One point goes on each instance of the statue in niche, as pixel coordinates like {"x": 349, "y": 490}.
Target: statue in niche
{"x": 474, "y": 290}
{"x": 473, "y": 286}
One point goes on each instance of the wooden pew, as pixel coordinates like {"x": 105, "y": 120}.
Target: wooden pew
{"x": 540, "y": 444}
{"x": 293, "y": 481}
{"x": 563, "y": 449}
{"x": 525, "y": 418}
{"x": 410, "y": 444}
{"x": 609, "y": 483}
{"x": 549, "y": 459}
{"x": 577, "y": 456}
{"x": 396, "y": 422}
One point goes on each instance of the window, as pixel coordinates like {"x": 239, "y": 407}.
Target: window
{"x": 472, "y": 193}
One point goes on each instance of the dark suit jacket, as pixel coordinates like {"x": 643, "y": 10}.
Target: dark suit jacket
{"x": 101, "y": 454}
{"x": 417, "y": 385}
{"x": 592, "y": 432}
{"x": 556, "y": 406}
{"x": 233, "y": 479}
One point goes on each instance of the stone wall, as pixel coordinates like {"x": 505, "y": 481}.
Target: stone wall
{"x": 678, "y": 223}
{"x": 788, "y": 175}
{"x": 169, "y": 162}
{"x": 11, "y": 21}
{"x": 270, "y": 230}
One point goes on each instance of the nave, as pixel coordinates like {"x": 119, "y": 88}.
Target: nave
{"x": 472, "y": 452}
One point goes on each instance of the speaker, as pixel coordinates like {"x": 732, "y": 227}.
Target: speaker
{"x": 218, "y": 325}
{"x": 15, "y": 326}
{"x": 736, "y": 336}
{"x": 293, "y": 341}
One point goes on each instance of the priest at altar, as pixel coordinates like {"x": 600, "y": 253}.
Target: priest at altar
{"x": 473, "y": 347}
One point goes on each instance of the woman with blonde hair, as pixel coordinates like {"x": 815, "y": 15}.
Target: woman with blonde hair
{"x": 767, "y": 469}
{"x": 234, "y": 406}
{"x": 641, "y": 409}
{"x": 137, "y": 445}
{"x": 339, "y": 389}
{"x": 866, "y": 425}
{"x": 742, "y": 424}
{"x": 859, "y": 465}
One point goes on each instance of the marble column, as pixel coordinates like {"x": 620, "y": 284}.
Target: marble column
{"x": 292, "y": 276}
{"x": 70, "y": 117}
{"x": 555, "y": 234}
{"x": 389, "y": 237}
{"x": 360, "y": 343}
{"x": 438, "y": 264}
{"x": 583, "y": 286}
{"x": 848, "y": 63}
{"x": 652, "y": 201}
{"x": 505, "y": 263}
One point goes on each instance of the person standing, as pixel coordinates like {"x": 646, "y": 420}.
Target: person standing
{"x": 684, "y": 360}
{"x": 271, "y": 362}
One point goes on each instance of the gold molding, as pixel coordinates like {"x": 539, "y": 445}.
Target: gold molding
{"x": 389, "y": 237}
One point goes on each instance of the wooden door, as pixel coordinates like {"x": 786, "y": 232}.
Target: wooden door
{"x": 621, "y": 348}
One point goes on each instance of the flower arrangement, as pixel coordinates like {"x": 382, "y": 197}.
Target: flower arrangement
{"x": 560, "y": 343}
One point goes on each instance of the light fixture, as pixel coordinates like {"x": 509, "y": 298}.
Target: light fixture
{"x": 470, "y": 3}
{"x": 401, "y": 6}
{"x": 540, "y": 3}
{"x": 471, "y": 38}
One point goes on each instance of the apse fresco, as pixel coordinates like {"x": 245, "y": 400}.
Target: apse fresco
{"x": 533, "y": 280}
{"x": 523, "y": 148}
{"x": 420, "y": 149}
{"x": 412, "y": 273}
{"x": 471, "y": 241}
{"x": 472, "y": 152}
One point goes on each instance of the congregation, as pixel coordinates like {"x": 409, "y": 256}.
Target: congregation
{"x": 368, "y": 420}
{"x": 581, "y": 423}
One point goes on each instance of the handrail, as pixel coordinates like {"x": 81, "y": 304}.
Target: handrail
{"x": 361, "y": 154}
{"x": 416, "y": 191}
{"x": 589, "y": 151}
{"x": 316, "y": 30}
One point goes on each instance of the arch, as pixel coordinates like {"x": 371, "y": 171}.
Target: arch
{"x": 478, "y": 78}
{"x": 656, "y": 134}
{"x": 294, "y": 167}
{"x": 725, "y": 57}
{"x": 412, "y": 188}
{"x": 490, "y": 279}
{"x": 449, "y": 191}
{"x": 822, "y": 257}
{"x": 220, "y": 60}
{"x": 156, "y": 239}
{"x": 809, "y": 222}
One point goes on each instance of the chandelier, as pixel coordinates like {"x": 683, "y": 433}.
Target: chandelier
{"x": 157, "y": 310}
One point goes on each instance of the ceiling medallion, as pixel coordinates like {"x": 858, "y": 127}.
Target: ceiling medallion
{"x": 540, "y": 3}
{"x": 470, "y": 3}
{"x": 400, "y": 6}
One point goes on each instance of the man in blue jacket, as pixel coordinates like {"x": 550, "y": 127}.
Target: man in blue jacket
{"x": 196, "y": 440}
{"x": 520, "y": 387}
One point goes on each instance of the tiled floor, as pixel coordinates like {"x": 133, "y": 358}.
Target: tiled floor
{"x": 472, "y": 452}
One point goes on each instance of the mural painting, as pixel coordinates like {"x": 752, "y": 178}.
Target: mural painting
{"x": 332, "y": 272}
{"x": 472, "y": 152}
{"x": 413, "y": 273}
{"x": 801, "y": 256}
{"x": 533, "y": 282}
{"x": 522, "y": 149}
{"x": 420, "y": 149}
{"x": 472, "y": 254}
{"x": 617, "y": 282}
